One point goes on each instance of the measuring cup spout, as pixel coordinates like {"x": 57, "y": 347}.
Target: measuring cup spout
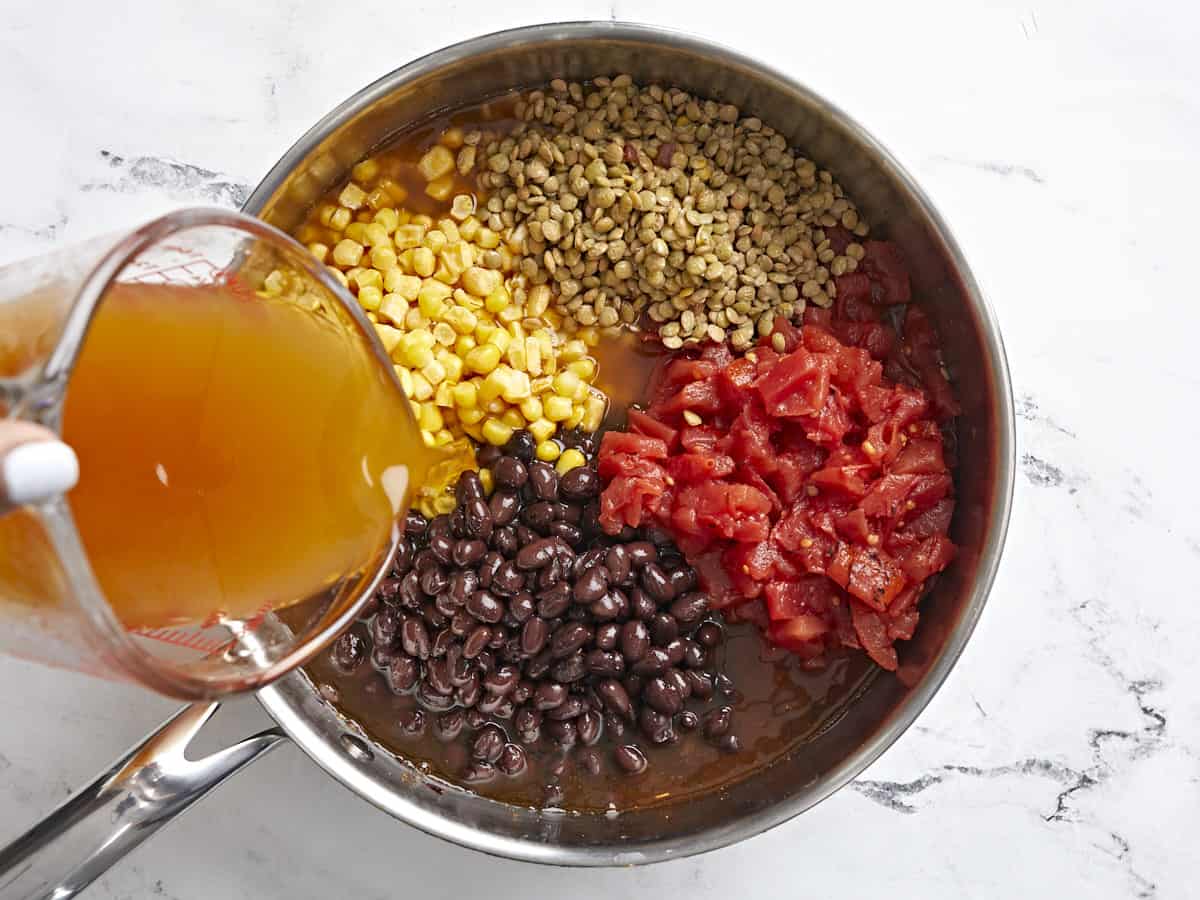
{"x": 142, "y": 791}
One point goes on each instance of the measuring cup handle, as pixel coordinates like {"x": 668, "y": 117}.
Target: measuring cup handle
{"x": 142, "y": 791}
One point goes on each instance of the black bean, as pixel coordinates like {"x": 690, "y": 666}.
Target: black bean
{"x": 448, "y": 725}
{"x": 633, "y": 684}
{"x": 412, "y": 721}
{"x": 615, "y": 697}
{"x": 701, "y": 683}
{"x": 388, "y": 589}
{"x": 487, "y": 455}
{"x": 587, "y": 559}
{"x": 656, "y": 583}
{"x": 539, "y": 665}
{"x": 730, "y": 743}
{"x": 562, "y": 732}
{"x": 381, "y": 657}
{"x": 569, "y": 669}
{"x": 468, "y": 695}
{"x": 589, "y": 724}
{"x": 538, "y": 516}
{"x": 488, "y": 568}
{"x": 485, "y": 662}
{"x": 402, "y": 673}
{"x": 348, "y": 652}
{"x": 642, "y": 553}
{"x": 537, "y": 554}
{"x": 662, "y": 696}
{"x": 723, "y": 683}
{"x": 641, "y": 605}
{"x": 489, "y": 743}
{"x": 631, "y": 760}
{"x": 571, "y": 512}
{"x": 469, "y": 552}
{"x": 504, "y": 540}
{"x": 572, "y": 534}
{"x": 690, "y": 608}
{"x": 654, "y": 662}
{"x": 485, "y": 607}
{"x": 489, "y": 703}
{"x": 526, "y": 535}
{"x": 437, "y": 676}
{"x": 478, "y": 772}
{"x": 675, "y": 651}
{"x": 663, "y": 628}
{"x": 581, "y": 483}
{"x": 458, "y": 523}
{"x": 508, "y": 579}
{"x": 460, "y": 669}
{"x": 434, "y": 581}
{"x": 568, "y": 709}
{"x": 509, "y": 472}
{"x": 716, "y": 723}
{"x": 502, "y": 680}
{"x": 694, "y": 656}
{"x": 589, "y": 760}
{"x": 527, "y": 719}
{"x": 569, "y": 638}
{"x": 521, "y": 607}
{"x": 477, "y": 641}
{"x": 414, "y": 638}
{"x": 549, "y": 695}
{"x": 677, "y": 678}
{"x": 442, "y": 547}
{"x": 521, "y": 445}
{"x": 543, "y": 481}
{"x": 445, "y": 604}
{"x": 607, "y": 635}
{"x": 687, "y": 720}
{"x": 463, "y": 623}
{"x": 655, "y": 725}
{"x": 614, "y": 724}
{"x": 504, "y": 506}
{"x": 369, "y": 609}
{"x": 511, "y": 761}
{"x": 635, "y": 640}
{"x": 554, "y": 601}
{"x": 605, "y": 663}
{"x": 592, "y": 585}
{"x": 709, "y": 635}
{"x": 469, "y": 487}
{"x": 617, "y": 561}
{"x": 478, "y": 519}
{"x": 410, "y": 590}
{"x": 523, "y": 691}
{"x": 462, "y": 585}
{"x": 415, "y": 524}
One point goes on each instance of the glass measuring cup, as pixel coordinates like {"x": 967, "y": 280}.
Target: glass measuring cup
{"x": 64, "y": 595}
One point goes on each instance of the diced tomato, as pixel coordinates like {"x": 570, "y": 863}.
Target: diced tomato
{"x": 872, "y": 634}
{"x": 797, "y": 386}
{"x": 699, "y": 466}
{"x": 935, "y": 520}
{"x": 887, "y": 496}
{"x": 787, "y": 331}
{"x": 920, "y": 457}
{"x": 854, "y": 527}
{"x": 636, "y": 444}
{"x": 839, "y": 238}
{"x": 855, "y": 286}
{"x": 875, "y": 579}
{"x": 699, "y": 439}
{"x": 806, "y": 595}
{"x": 641, "y": 423}
{"x": 840, "y": 479}
{"x": 685, "y": 371}
{"x": 795, "y": 633}
{"x": 839, "y": 566}
{"x": 929, "y": 557}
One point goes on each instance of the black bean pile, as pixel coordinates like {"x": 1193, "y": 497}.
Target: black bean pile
{"x": 517, "y": 624}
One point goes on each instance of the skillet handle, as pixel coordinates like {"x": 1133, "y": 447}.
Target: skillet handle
{"x": 142, "y": 791}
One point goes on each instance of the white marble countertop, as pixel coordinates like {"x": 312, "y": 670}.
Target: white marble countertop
{"x": 1060, "y": 141}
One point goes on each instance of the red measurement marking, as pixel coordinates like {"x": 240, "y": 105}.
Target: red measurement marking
{"x": 177, "y": 638}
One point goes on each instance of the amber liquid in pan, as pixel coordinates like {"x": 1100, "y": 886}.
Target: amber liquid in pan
{"x": 235, "y": 453}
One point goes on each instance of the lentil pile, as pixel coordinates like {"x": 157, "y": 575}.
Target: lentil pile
{"x": 526, "y": 634}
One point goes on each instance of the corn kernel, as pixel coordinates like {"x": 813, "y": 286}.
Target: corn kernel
{"x": 444, "y": 395}
{"x": 325, "y": 213}
{"x": 496, "y": 432}
{"x": 488, "y": 481}
{"x": 500, "y": 338}
{"x": 405, "y": 261}
{"x": 432, "y": 298}
{"x": 464, "y": 345}
{"x": 340, "y": 219}
{"x": 531, "y": 408}
{"x": 451, "y": 363}
{"x": 468, "y": 228}
{"x": 388, "y": 336}
{"x": 570, "y": 459}
{"x": 539, "y": 300}
{"x": 572, "y": 351}
{"x": 517, "y": 388}
{"x": 378, "y": 199}
{"x": 576, "y": 417}
{"x": 498, "y": 300}
{"x": 585, "y": 368}
{"x": 541, "y": 384}
{"x": 443, "y": 438}
{"x": 488, "y": 239}
{"x": 462, "y": 320}
{"x": 383, "y": 257}
{"x": 516, "y": 355}
{"x": 593, "y": 414}
{"x": 452, "y": 137}
{"x": 590, "y": 336}
{"x": 319, "y": 250}
{"x": 405, "y": 378}
{"x": 466, "y": 395}
{"x": 444, "y": 334}
{"x": 363, "y": 216}
{"x": 482, "y": 283}
{"x": 437, "y": 162}
{"x": 406, "y": 286}
{"x": 444, "y": 504}
{"x": 568, "y": 384}
{"x": 347, "y": 253}
{"x": 434, "y": 372}
{"x": 493, "y": 385}
{"x": 377, "y": 236}
{"x": 429, "y": 417}
{"x": 338, "y": 275}
{"x": 370, "y": 298}
{"x": 558, "y": 409}
{"x": 408, "y": 236}
{"x": 367, "y": 171}
{"x": 423, "y": 261}
{"x": 414, "y": 351}
{"x": 415, "y": 321}
{"x": 471, "y": 417}
{"x": 435, "y": 241}
{"x": 513, "y": 418}
{"x": 387, "y": 217}
{"x": 422, "y": 389}
{"x": 548, "y": 451}
{"x": 483, "y": 359}
{"x": 542, "y": 429}
{"x": 352, "y": 196}
{"x": 440, "y": 188}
